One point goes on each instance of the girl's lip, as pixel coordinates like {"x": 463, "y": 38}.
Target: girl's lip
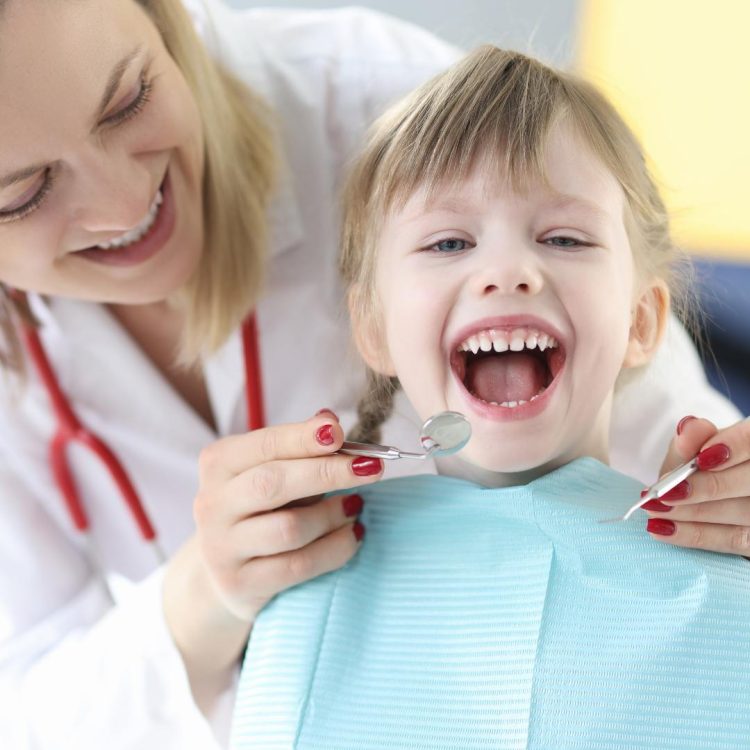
{"x": 149, "y": 245}
{"x": 497, "y": 413}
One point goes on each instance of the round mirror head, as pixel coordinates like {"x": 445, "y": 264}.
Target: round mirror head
{"x": 445, "y": 433}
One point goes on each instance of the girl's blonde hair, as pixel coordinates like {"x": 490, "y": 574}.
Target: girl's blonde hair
{"x": 240, "y": 168}
{"x": 500, "y": 107}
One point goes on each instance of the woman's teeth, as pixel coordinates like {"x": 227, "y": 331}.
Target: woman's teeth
{"x": 503, "y": 341}
{"x": 138, "y": 232}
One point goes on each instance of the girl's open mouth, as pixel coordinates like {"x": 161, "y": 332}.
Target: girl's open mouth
{"x": 508, "y": 367}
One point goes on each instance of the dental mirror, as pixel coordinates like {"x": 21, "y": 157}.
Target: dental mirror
{"x": 443, "y": 434}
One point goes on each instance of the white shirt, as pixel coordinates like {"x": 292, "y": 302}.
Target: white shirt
{"x": 81, "y": 670}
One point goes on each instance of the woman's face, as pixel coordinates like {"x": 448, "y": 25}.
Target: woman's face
{"x": 101, "y": 154}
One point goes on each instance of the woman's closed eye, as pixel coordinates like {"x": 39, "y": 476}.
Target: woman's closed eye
{"x": 133, "y": 105}
{"x": 24, "y": 205}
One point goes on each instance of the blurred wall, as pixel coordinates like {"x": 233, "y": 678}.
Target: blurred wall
{"x": 544, "y": 27}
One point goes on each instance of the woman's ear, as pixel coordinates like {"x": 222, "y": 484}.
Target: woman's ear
{"x": 648, "y": 324}
{"x": 368, "y": 336}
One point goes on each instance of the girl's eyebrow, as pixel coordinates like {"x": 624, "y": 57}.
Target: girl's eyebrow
{"x": 113, "y": 84}
{"x": 563, "y": 201}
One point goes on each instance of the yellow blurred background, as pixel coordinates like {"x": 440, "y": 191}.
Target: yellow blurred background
{"x": 679, "y": 72}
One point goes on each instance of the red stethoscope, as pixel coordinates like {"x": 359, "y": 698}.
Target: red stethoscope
{"x": 70, "y": 429}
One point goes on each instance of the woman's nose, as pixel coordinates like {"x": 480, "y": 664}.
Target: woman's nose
{"x": 113, "y": 196}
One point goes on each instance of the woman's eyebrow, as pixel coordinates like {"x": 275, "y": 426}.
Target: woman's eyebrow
{"x": 114, "y": 80}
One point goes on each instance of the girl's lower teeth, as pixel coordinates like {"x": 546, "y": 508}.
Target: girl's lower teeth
{"x": 513, "y": 404}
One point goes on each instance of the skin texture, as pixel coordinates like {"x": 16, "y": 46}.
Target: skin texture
{"x": 558, "y": 252}
{"x": 105, "y": 172}
{"x": 251, "y": 540}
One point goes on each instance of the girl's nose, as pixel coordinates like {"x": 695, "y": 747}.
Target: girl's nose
{"x": 509, "y": 272}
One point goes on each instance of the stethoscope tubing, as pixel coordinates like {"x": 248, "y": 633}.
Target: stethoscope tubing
{"x": 71, "y": 429}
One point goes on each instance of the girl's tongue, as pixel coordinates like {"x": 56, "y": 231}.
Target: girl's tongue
{"x": 512, "y": 376}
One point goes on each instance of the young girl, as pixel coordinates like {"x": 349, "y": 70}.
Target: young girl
{"x": 508, "y": 257}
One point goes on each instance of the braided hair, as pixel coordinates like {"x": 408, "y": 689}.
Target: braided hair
{"x": 374, "y": 407}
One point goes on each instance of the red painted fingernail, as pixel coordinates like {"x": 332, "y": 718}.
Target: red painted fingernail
{"x": 353, "y": 505}
{"x": 644, "y": 493}
{"x": 324, "y": 435}
{"x": 366, "y": 467}
{"x": 657, "y": 506}
{"x": 359, "y": 531}
{"x": 678, "y": 492}
{"x": 327, "y": 411}
{"x": 712, "y": 457}
{"x": 681, "y": 424}
{"x": 660, "y": 526}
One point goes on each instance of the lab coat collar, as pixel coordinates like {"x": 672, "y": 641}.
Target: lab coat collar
{"x": 90, "y": 352}
{"x": 87, "y": 346}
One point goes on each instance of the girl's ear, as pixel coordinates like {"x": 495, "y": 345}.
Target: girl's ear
{"x": 368, "y": 337}
{"x": 648, "y": 324}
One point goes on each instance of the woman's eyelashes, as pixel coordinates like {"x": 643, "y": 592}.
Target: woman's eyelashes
{"x": 133, "y": 107}
{"x": 15, "y": 213}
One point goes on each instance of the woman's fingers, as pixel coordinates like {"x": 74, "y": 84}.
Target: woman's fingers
{"x": 266, "y": 576}
{"x": 691, "y": 435}
{"x": 237, "y": 453}
{"x": 729, "y": 539}
{"x": 292, "y": 528}
{"x": 728, "y": 512}
{"x": 711, "y": 509}
{"x": 710, "y": 486}
{"x": 274, "y": 484}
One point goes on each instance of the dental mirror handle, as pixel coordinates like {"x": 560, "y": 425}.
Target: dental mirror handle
{"x": 373, "y": 450}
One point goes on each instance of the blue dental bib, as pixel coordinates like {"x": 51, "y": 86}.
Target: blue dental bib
{"x": 476, "y": 618}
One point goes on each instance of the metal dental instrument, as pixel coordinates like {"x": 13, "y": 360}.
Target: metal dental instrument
{"x": 443, "y": 434}
{"x": 660, "y": 488}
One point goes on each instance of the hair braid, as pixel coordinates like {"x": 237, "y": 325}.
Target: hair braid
{"x": 374, "y": 407}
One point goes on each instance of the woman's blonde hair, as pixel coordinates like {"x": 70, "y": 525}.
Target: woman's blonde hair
{"x": 240, "y": 168}
{"x": 500, "y": 107}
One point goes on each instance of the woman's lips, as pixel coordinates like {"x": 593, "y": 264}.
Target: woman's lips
{"x": 149, "y": 245}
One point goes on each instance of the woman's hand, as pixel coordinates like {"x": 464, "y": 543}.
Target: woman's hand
{"x": 711, "y": 509}
{"x": 261, "y": 528}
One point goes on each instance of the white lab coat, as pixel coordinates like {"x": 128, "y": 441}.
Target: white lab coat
{"x": 79, "y": 669}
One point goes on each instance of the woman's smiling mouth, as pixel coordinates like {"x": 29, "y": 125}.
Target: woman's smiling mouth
{"x": 508, "y": 368}
{"x": 143, "y": 241}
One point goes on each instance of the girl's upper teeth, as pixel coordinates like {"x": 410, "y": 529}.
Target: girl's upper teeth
{"x": 137, "y": 232}
{"x": 501, "y": 341}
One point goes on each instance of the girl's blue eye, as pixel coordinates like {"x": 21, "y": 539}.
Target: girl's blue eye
{"x": 450, "y": 246}
{"x": 566, "y": 242}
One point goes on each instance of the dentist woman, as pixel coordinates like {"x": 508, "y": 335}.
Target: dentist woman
{"x": 157, "y": 186}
